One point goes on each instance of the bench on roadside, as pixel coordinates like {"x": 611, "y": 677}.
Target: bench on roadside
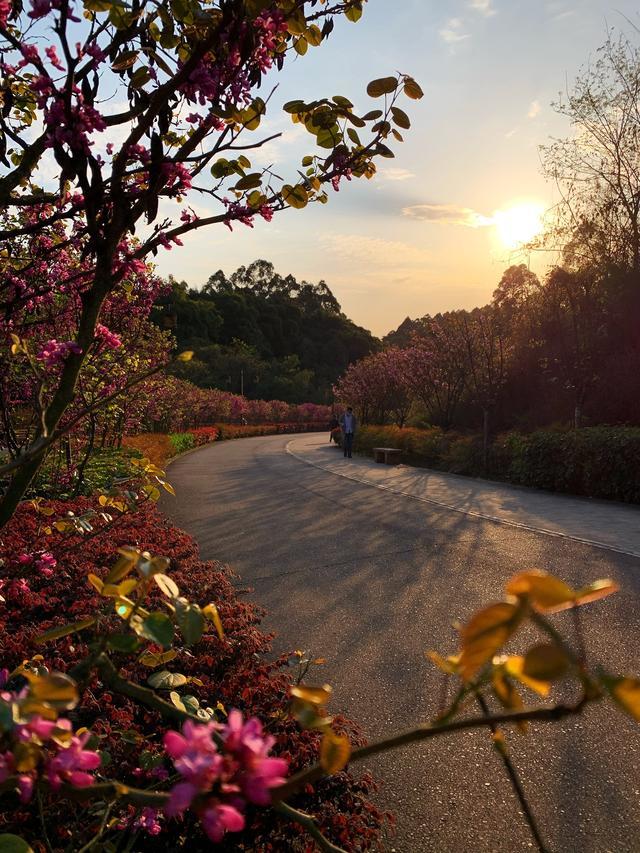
{"x": 388, "y": 455}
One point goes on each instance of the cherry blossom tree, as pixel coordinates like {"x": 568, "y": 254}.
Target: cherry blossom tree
{"x": 182, "y": 77}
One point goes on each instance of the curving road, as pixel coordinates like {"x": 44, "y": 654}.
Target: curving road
{"x": 370, "y": 580}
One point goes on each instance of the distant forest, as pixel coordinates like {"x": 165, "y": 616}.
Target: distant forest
{"x": 268, "y": 335}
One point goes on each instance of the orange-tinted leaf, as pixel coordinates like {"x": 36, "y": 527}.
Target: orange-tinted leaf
{"x": 507, "y": 694}
{"x": 64, "y": 630}
{"x": 596, "y": 590}
{"x": 56, "y": 689}
{"x": 334, "y": 752}
{"x": 96, "y": 582}
{"x": 546, "y": 592}
{"x": 488, "y": 630}
{"x": 514, "y": 666}
{"x": 448, "y": 664}
{"x": 313, "y": 695}
{"x": 626, "y": 692}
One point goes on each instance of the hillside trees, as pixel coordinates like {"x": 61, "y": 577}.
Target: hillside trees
{"x": 183, "y": 79}
{"x": 288, "y": 337}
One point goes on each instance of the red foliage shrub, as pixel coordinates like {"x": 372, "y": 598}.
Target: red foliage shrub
{"x": 234, "y": 671}
{"x": 153, "y": 445}
{"x": 205, "y": 434}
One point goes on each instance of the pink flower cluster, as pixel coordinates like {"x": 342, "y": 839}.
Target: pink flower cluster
{"x": 44, "y": 562}
{"x": 73, "y": 126}
{"x": 61, "y": 764}
{"x": 222, "y": 780}
{"x": 269, "y": 24}
{"x": 241, "y": 213}
{"x": 54, "y": 352}
{"x": 107, "y": 338}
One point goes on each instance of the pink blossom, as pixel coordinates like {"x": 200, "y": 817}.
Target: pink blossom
{"x": 5, "y": 11}
{"x": 53, "y": 58}
{"x": 55, "y": 352}
{"x": 107, "y": 338}
{"x": 71, "y": 762}
{"x": 218, "y": 819}
{"x": 148, "y": 822}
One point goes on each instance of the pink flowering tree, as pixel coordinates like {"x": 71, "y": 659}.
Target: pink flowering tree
{"x": 378, "y": 385}
{"x": 184, "y": 77}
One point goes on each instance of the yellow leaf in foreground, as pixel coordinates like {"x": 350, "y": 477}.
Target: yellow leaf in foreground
{"x": 334, "y": 752}
{"x": 450, "y": 664}
{"x": 211, "y": 612}
{"x": 596, "y": 590}
{"x": 485, "y": 633}
{"x": 626, "y": 692}
{"x": 546, "y": 592}
{"x": 312, "y": 695}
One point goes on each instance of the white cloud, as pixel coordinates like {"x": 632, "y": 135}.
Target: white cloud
{"x": 511, "y": 132}
{"x": 394, "y": 173}
{"x": 483, "y": 6}
{"x": 373, "y": 250}
{"x": 534, "y": 109}
{"x": 452, "y": 33}
{"x": 447, "y": 214}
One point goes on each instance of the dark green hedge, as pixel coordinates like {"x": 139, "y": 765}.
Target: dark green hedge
{"x": 600, "y": 462}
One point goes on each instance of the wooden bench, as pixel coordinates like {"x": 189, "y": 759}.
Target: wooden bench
{"x": 388, "y": 455}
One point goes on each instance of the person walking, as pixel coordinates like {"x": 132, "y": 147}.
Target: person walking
{"x": 334, "y": 423}
{"x": 348, "y": 424}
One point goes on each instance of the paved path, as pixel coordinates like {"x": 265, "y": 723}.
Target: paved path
{"x": 599, "y": 523}
{"x": 370, "y": 579}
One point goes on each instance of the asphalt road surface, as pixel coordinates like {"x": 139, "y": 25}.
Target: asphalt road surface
{"x": 370, "y": 580}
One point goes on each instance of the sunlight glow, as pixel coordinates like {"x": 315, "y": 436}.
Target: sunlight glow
{"x": 518, "y": 224}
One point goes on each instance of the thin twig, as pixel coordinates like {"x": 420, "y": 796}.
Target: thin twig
{"x": 309, "y": 824}
{"x": 503, "y": 752}
{"x": 429, "y": 730}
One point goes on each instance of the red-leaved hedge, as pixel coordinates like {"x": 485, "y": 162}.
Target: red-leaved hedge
{"x": 235, "y": 671}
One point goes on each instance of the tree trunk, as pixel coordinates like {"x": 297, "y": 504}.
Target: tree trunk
{"x": 63, "y": 396}
{"x": 485, "y": 440}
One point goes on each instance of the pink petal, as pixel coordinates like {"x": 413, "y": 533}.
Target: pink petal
{"x": 174, "y": 744}
{"x": 180, "y": 798}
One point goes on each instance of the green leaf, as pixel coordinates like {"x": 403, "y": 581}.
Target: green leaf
{"x": 313, "y": 35}
{"x": 190, "y": 621}
{"x": 400, "y": 118}
{"x": 124, "y": 60}
{"x": 123, "y": 643}
{"x": 354, "y": 13}
{"x": 140, "y": 77}
{"x": 353, "y": 136}
{"x": 64, "y": 630}
{"x": 158, "y": 628}
{"x": 372, "y": 115}
{"x": 295, "y": 196}
{"x": 293, "y": 107}
{"x": 250, "y": 117}
{"x": 13, "y": 844}
{"x": 382, "y": 86}
{"x": 307, "y": 161}
{"x": 165, "y": 680}
{"x": 341, "y": 101}
{"x": 329, "y": 137}
{"x": 301, "y": 45}
{"x": 249, "y": 182}
{"x": 187, "y": 355}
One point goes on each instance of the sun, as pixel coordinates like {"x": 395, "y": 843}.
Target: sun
{"x": 518, "y": 224}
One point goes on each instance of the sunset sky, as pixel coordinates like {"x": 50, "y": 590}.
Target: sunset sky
{"x": 424, "y": 236}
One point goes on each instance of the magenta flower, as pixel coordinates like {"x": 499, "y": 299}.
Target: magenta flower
{"x": 218, "y": 819}
{"x": 71, "y": 762}
{"x": 222, "y": 779}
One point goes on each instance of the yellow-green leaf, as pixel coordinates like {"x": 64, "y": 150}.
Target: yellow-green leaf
{"x": 153, "y": 659}
{"x": 64, "y": 630}
{"x": 449, "y": 665}
{"x": 334, "y": 752}
{"x": 211, "y": 612}
{"x": 187, "y": 355}
{"x": 56, "y": 689}
{"x": 13, "y": 844}
{"x": 312, "y": 695}
{"x": 167, "y": 585}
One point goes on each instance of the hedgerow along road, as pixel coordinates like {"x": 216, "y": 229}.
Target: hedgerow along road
{"x": 369, "y": 581}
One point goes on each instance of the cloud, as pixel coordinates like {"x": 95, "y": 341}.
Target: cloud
{"x": 447, "y": 214}
{"x": 483, "y": 6}
{"x": 373, "y": 250}
{"x": 534, "y": 109}
{"x": 511, "y": 132}
{"x": 395, "y": 173}
{"x": 452, "y": 33}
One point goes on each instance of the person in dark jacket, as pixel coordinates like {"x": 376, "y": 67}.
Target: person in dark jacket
{"x": 349, "y": 426}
